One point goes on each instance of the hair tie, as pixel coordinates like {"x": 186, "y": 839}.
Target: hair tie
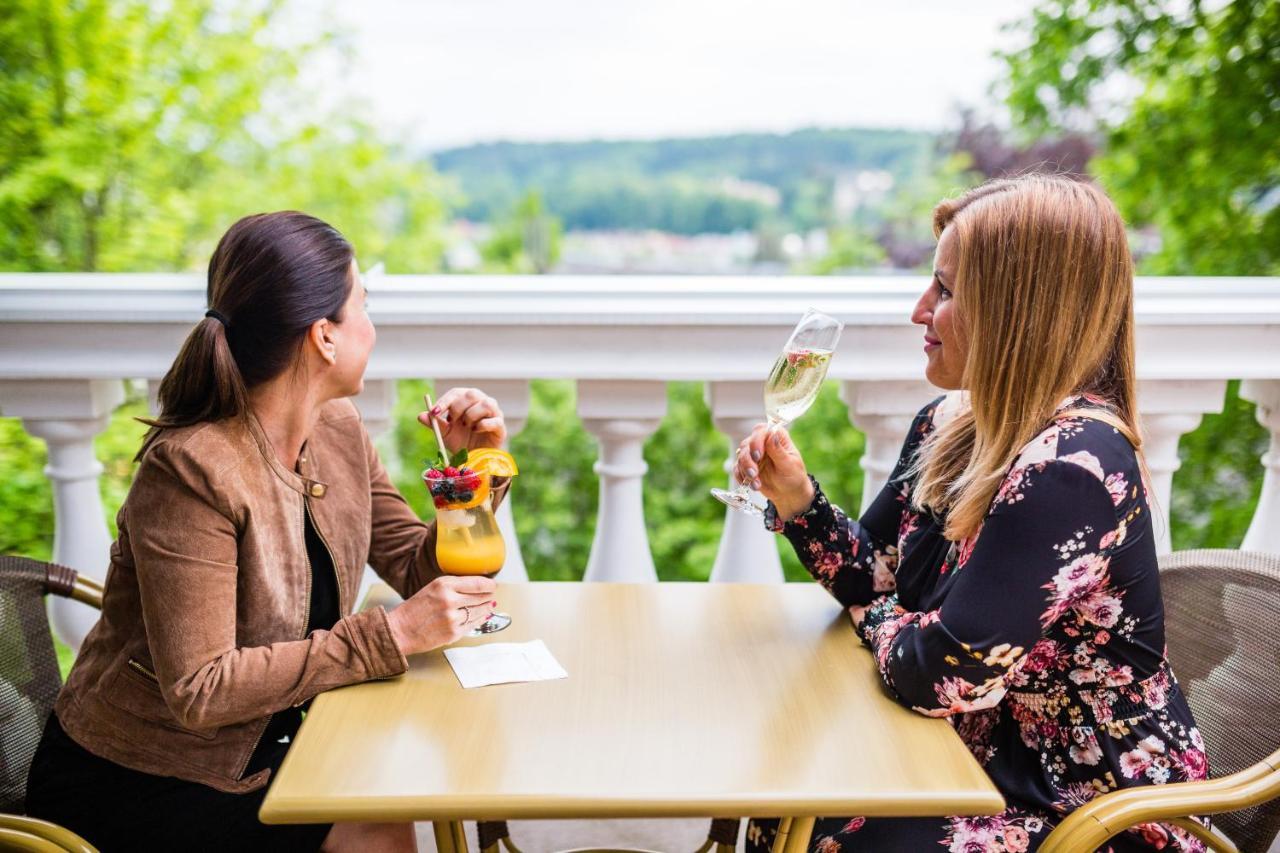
{"x": 217, "y": 316}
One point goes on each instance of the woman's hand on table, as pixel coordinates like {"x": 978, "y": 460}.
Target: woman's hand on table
{"x": 468, "y": 418}
{"x": 442, "y": 612}
{"x": 769, "y": 462}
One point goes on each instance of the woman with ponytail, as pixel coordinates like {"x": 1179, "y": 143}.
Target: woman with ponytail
{"x": 1005, "y": 577}
{"x": 229, "y": 601}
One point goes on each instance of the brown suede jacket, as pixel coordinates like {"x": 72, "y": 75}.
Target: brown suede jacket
{"x": 203, "y": 628}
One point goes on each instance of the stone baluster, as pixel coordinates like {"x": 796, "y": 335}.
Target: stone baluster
{"x": 1169, "y": 409}
{"x": 67, "y": 415}
{"x": 375, "y": 403}
{"x": 748, "y": 553}
{"x": 621, "y": 415}
{"x": 513, "y": 397}
{"x": 883, "y": 410}
{"x": 1264, "y": 530}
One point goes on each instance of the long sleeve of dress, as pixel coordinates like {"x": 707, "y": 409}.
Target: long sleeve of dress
{"x": 1043, "y": 552}
{"x": 854, "y": 559}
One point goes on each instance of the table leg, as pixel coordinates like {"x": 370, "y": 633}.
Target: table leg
{"x": 793, "y": 835}
{"x": 450, "y": 837}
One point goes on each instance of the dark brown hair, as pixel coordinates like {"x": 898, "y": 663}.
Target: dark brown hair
{"x": 271, "y": 277}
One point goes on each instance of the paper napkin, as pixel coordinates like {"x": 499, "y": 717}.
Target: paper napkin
{"x": 503, "y": 663}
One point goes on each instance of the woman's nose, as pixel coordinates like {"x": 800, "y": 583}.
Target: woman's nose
{"x": 923, "y": 312}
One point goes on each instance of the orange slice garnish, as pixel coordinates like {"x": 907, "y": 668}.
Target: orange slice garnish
{"x": 492, "y": 461}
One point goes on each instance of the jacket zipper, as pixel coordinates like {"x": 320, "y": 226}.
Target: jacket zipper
{"x": 142, "y": 669}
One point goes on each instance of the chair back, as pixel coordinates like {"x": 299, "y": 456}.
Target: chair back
{"x": 29, "y": 676}
{"x": 1222, "y": 626}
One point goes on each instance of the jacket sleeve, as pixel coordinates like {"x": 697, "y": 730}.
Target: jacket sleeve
{"x": 402, "y": 547}
{"x": 855, "y": 559}
{"x": 1042, "y": 555}
{"x": 184, "y": 543}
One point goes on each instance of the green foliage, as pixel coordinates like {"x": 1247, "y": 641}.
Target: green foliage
{"x": 132, "y": 136}
{"x": 527, "y": 241}
{"x": 1194, "y": 155}
{"x": 1213, "y": 501}
{"x": 851, "y": 249}
{"x": 678, "y": 185}
{"x": 26, "y": 499}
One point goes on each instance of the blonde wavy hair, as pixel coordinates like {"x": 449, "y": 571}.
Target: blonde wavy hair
{"x": 1044, "y": 295}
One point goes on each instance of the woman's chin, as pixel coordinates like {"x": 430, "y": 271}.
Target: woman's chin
{"x": 938, "y": 378}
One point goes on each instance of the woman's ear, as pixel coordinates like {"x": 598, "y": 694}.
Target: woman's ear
{"x": 321, "y": 337}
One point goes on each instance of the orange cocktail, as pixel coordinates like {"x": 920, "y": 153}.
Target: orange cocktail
{"x": 468, "y": 541}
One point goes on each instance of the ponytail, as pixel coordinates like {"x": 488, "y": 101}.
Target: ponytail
{"x": 204, "y": 384}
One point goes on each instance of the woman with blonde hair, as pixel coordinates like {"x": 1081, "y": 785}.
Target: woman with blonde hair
{"x": 1005, "y": 577}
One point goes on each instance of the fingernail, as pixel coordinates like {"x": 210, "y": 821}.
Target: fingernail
{"x": 755, "y": 454}
{"x": 756, "y": 484}
{"x": 752, "y": 473}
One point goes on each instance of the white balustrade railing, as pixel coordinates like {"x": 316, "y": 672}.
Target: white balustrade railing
{"x": 67, "y": 342}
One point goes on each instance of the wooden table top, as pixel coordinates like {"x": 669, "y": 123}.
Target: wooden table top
{"x": 683, "y": 699}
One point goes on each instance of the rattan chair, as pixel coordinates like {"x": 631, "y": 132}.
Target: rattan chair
{"x": 1222, "y": 625}
{"x": 29, "y": 682}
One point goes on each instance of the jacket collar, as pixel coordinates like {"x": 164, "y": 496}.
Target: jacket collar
{"x": 303, "y": 481}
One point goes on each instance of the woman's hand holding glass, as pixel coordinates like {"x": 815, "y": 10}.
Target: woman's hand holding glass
{"x": 442, "y": 612}
{"x": 769, "y": 462}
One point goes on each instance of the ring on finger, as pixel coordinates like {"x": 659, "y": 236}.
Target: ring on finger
{"x": 466, "y": 611}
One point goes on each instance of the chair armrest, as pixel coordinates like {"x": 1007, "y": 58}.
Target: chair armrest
{"x": 16, "y": 839}
{"x": 61, "y": 838}
{"x": 1089, "y": 826}
{"x": 88, "y": 590}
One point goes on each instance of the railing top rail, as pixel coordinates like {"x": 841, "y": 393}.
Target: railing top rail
{"x": 166, "y": 298}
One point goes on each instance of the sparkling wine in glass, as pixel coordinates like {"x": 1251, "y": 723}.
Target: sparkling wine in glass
{"x": 792, "y": 386}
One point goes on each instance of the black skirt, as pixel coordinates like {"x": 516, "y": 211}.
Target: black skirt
{"x": 116, "y": 808}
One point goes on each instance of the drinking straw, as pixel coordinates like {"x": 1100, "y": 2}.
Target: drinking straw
{"x": 444, "y": 452}
{"x": 435, "y": 425}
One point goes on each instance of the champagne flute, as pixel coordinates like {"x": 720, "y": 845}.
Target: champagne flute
{"x": 792, "y": 386}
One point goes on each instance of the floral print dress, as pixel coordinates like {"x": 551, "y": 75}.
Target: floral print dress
{"x": 1041, "y": 637}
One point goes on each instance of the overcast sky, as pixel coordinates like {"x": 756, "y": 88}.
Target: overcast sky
{"x": 450, "y": 72}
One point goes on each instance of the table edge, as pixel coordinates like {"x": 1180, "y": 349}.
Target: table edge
{"x": 280, "y": 810}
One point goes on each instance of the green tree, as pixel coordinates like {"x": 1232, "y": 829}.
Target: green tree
{"x": 527, "y": 241}
{"x": 1192, "y": 154}
{"x": 132, "y": 134}
{"x": 851, "y": 249}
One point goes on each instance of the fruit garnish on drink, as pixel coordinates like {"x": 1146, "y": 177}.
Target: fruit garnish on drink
{"x": 492, "y": 461}
{"x": 806, "y": 358}
{"x": 466, "y": 483}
